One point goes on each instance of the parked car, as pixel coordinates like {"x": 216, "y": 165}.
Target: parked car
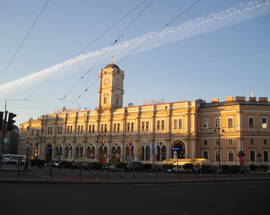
{"x": 134, "y": 166}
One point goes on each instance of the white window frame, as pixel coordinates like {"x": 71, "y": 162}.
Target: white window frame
{"x": 217, "y": 125}
{"x": 205, "y": 125}
{"x": 264, "y": 126}
{"x": 230, "y": 117}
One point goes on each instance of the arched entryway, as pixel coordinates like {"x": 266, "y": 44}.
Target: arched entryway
{"x": 178, "y": 150}
{"x": 48, "y": 151}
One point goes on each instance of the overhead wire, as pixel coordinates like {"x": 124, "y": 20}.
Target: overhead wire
{"x": 24, "y": 39}
{"x": 93, "y": 42}
{"x": 164, "y": 27}
{"x": 114, "y": 43}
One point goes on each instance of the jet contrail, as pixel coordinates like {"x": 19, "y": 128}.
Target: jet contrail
{"x": 188, "y": 29}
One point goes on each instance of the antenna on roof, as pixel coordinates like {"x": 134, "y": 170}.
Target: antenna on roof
{"x": 252, "y": 93}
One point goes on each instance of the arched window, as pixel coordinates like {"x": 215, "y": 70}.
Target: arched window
{"x": 70, "y": 152}
{"x": 81, "y": 151}
{"x": 88, "y": 152}
{"x": 142, "y": 153}
{"x": 158, "y": 153}
{"x": 100, "y": 152}
{"x": 205, "y": 154}
{"x": 252, "y": 156}
{"x": 66, "y": 152}
{"x": 93, "y": 151}
{"x": 163, "y": 153}
{"x": 118, "y": 151}
{"x": 113, "y": 151}
{"x": 265, "y": 156}
{"x": 77, "y": 152}
{"x": 230, "y": 156}
{"x": 147, "y": 153}
{"x": 105, "y": 151}
{"x": 60, "y": 150}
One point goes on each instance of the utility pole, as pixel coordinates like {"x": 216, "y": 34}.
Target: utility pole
{"x": 3, "y": 131}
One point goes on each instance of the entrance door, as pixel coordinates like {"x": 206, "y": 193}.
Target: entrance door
{"x": 178, "y": 150}
{"x": 48, "y": 151}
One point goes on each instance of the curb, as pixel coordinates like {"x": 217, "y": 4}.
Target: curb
{"x": 132, "y": 182}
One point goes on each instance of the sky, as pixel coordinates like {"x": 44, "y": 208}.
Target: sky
{"x": 214, "y": 49}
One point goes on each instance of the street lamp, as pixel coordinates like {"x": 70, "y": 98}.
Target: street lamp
{"x": 219, "y": 145}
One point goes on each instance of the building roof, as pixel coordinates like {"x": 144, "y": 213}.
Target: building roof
{"x": 112, "y": 66}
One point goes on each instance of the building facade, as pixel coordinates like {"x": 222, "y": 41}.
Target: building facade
{"x": 151, "y": 133}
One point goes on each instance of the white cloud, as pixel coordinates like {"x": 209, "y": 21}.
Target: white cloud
{"x": 188, "y": 29}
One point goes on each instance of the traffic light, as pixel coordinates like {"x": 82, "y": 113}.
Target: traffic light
{"x": 11, "y": 121}
{"x": 1, "y": 120}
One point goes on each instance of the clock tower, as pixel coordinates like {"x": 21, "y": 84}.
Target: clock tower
{"x": 111, "y": 87}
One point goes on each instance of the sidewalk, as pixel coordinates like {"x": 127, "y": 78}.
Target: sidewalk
{"x": 31, "y": 177}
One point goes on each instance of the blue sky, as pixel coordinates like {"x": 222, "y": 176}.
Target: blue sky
{"x": 231, "y": 60}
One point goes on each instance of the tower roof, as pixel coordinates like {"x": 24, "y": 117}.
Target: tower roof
{"x": 112, "y": 66}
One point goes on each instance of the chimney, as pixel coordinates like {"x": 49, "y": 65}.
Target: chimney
{"x": 263, "y": 99}
{"x": 240, "y": 99}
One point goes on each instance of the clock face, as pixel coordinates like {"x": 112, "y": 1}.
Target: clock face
{"x": 106, "y": 81}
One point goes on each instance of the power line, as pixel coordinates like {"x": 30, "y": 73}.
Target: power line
{"x": 91, "y": 43}
{"x": 164, "y": 27}
{"x": 24, "y": 39}
{"x": 114, "y": 43}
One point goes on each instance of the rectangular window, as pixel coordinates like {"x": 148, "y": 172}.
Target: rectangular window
{"x": 162, "y": 124}
{"x": 101, "y": 128}
{"x": 147, "y": 126}
{"x": 230, "y": 122}
{"x": 251, "y": 122}
{"x": 114, "y": 127}
{"x": 118, "y": 127}
{"x": 180, "y": 124}
{"x": 264, "y": 122}
{"x": 91, "y": 129}
{"x": 251, "y": 141}
{"x": 205, "y": 123}
{"x": 175, "y": 124}
{"x": 265, "y": 141}
{"x": 230, "y": 141}
{"x": 128, "y": 126}
{"x": 217, "y": 122}
{"x": 143, "y": 126}
{"x": 158, "y": 125}
{"x": 132, "y": 126}
{"x": 205, "y": 142}
{"x": 105, "y": 128}
{"x": 70, "y": 130}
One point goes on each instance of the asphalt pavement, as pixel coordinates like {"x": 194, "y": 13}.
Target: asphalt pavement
{"x": 149, "y": 199}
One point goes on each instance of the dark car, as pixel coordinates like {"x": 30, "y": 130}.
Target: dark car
{"x": 134, "y": 166}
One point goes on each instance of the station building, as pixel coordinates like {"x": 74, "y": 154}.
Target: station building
{"x": 152, "y": 133}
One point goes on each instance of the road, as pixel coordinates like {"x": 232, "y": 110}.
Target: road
{"x": 148, "y": 199}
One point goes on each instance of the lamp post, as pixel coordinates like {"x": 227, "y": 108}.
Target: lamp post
{"x": 219, "y": 145}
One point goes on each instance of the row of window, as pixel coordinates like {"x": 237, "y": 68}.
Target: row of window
{"x": 230, "y": 141}
{"x": 251, "y": 122}
{"x": 252, "y": 156}
{"x": 205, "y": 123}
